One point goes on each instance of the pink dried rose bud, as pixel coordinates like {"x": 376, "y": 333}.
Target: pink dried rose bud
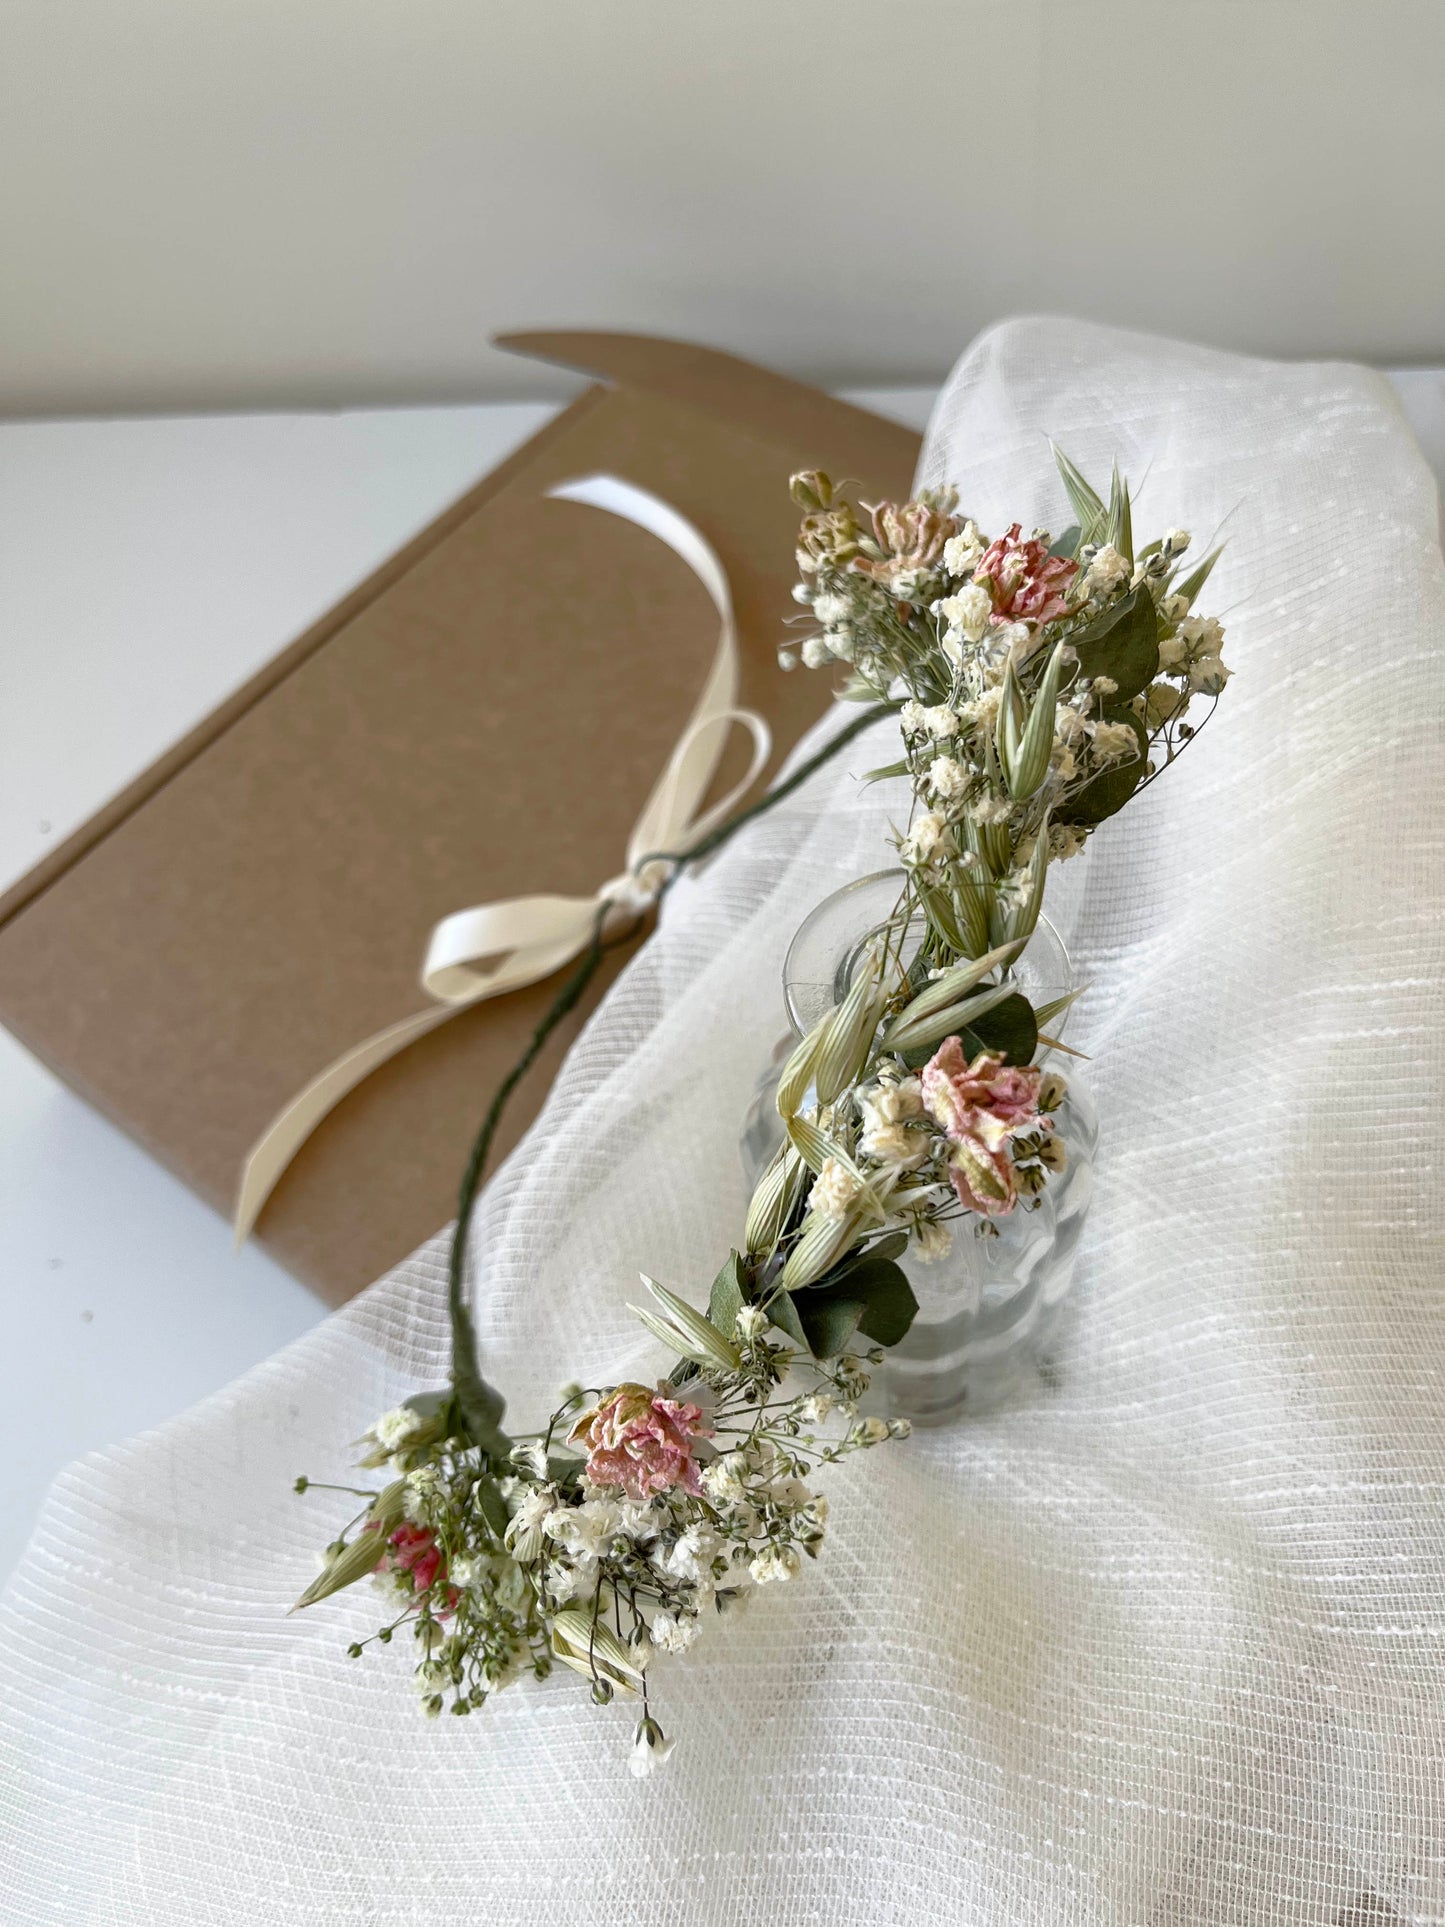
{"x": 413, "y": 1550}
{"x": 1026, "y": 583}
{"x": 987, "y": 1098}
{"x": 641, "y": 1440}
{"x": 980, "y": 1106}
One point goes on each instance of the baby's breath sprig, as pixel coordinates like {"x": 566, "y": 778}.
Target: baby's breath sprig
{"x": 664, "y": 1506}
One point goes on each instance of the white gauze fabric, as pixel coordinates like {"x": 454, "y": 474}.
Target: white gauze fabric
{"x": 1160, "y": 1645}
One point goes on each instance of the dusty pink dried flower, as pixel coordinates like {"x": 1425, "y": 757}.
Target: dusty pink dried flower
{"x": 980, "y": 1105}
{"x": 908, "y": 537}
{"x": 413, "y": 1549}
{"x": 641, "y": 1440}
{"x": 1026, "y": 583}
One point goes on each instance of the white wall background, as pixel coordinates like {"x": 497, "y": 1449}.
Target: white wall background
{"x": 241, "y": 203}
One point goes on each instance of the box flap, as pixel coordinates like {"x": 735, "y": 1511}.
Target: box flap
{"x": 723, "y": 385}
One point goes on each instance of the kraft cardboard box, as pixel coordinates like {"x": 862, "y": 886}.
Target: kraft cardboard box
{"x": 483, "y": 718}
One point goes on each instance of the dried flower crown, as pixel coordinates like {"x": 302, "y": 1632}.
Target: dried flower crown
{"x": 1040, "y": 684}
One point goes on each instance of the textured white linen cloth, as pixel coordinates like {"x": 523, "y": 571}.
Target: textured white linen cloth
{"x": 1161, "y": 1644}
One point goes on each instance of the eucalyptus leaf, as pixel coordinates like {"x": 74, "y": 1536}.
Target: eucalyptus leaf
{"x": 892, "y": 1244}
{"x": 871, "y": 1295}
{"x": 783, "y": 1311}
{"x": 1122, "y": 644}
{"x": 827, "y": 1321}
{"x": 1067, "y": 544}
{"x": 1010, "y": 1031}
{"x": 891, "y": 1306}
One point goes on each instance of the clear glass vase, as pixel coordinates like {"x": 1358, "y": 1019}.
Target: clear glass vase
{"x": 986, "y": 1311}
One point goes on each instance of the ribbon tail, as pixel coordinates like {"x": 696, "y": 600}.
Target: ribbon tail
{"x": 289, "y": 1130}
{"x": 539, "y": 934}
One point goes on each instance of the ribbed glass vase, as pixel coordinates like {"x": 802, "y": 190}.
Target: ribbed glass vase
{"x": 988, "y": 1310}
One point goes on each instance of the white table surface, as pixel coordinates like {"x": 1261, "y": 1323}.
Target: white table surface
{"x": 147, "y": 567}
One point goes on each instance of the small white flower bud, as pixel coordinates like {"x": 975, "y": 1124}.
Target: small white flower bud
{"x": 963, "y": 550}
{"x": 650, "y": 1747}
{"x": 1208, "y": 675}
{"x": 968, "y": 613}
{"x": 869, "y": 1431}
{"x": 925, "y": 839}
{"x": 1115, "y": 742}
{"x": 1052, "y": 1091}
{"x": 948, "y": 778}
{"x": 775, "y": 1563}
{"x": 1107, "y": 570}
{"x": 931, "y": 1242}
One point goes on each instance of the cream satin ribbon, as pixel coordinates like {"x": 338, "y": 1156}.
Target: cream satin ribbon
{"x": 497, "y": 947}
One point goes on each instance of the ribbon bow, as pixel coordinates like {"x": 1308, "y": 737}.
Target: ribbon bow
{"x": 496, "y": 947}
